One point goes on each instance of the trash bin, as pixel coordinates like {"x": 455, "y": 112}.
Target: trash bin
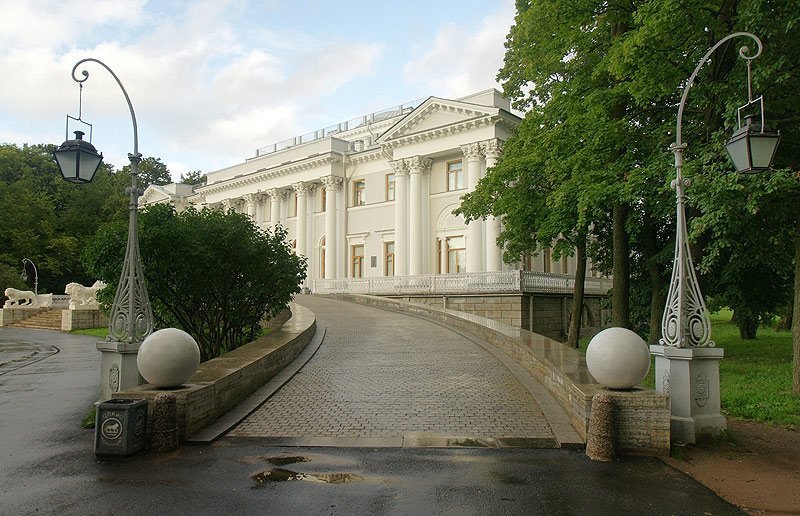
{"x": 120, "y": 427}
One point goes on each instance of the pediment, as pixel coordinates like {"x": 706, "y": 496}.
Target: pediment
{"x": 154, "y": 194}
{"x": 436, "y": 114}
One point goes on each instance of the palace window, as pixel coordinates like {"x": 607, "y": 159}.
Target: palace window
{"x": 455, "y": 175}
{"x": 322, "y": 258}
{"x": 546, "y": 259}
{"x": 323, "y": 196}
{"x": 357, "y": 263}
{"x": 390, "y": 187}
{"x": 388, "y": 260}
{"x": 564, "y": 264}
{"x": 456, "y": 254}
{"x": 358, "y": 192}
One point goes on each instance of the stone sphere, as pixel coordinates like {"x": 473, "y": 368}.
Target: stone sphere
{"x": 618, "y": 358}
{"x": 168, "y": 357}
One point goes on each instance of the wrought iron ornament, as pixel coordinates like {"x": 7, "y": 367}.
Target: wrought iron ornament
{"x": 131, "y": 315}
{"x": 685, "y": 322}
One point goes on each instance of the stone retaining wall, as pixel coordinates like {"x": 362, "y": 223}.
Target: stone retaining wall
{"x": 80, "y": 319}
{"x": 641, "y": 417}
{"x": 546, "y": 314}
{"x": 222, "y": 383}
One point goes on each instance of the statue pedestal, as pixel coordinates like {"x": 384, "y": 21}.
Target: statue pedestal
{"x": 118, "y": 369}
{"x": 691, "y": 378}
{"x": 78, "y": 319}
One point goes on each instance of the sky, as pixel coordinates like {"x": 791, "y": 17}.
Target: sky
{"x": 212, "y": 81}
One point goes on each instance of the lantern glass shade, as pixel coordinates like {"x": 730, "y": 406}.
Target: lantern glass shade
{"x": 77, "y": 159}
{"x": 752, "y": 149}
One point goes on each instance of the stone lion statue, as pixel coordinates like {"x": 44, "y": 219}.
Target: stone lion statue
{"x": 19, "y": 297}
{"x": 83, "y": 296}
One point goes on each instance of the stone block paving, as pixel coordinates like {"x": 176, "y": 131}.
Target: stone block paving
{"x": 385, "y": 374}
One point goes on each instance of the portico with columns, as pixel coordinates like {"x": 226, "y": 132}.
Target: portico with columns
{"x": 373, "y": 197}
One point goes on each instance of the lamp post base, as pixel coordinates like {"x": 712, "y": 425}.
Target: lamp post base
{"x": 118, "y": 369}
{"x": 691, "y": 378}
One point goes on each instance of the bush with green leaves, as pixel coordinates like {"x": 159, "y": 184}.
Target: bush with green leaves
{"x": 212, "y": 274}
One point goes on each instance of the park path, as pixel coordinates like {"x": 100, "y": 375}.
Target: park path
{"x": 380, "y": 374}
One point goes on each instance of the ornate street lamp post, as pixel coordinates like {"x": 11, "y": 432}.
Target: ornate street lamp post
{"x": 687, "y": 361}
{"x": 24, "y": 275}
{"x": 131, "y": 316}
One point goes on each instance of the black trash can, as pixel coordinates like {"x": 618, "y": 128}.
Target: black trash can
{"x": 120, "y": 427}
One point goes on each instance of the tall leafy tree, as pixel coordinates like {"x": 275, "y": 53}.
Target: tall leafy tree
{"x": 152, "y": 171}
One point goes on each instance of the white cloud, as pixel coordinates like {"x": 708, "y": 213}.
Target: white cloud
{"x": 462, "y": 59}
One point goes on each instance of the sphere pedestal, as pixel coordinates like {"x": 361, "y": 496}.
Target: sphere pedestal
{"x": 691, "y": 378}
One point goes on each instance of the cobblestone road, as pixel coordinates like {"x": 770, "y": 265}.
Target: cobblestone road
{"x": 384, "y": 374}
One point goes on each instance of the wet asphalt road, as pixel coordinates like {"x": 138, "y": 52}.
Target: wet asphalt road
{"x": 47, "y": 465}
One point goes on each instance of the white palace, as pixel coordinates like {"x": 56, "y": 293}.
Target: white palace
{"x": 369, "y": 202}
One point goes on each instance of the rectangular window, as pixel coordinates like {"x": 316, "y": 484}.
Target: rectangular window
{"x": 564, "y": 265}
{"x": 456, "y": 254}
{"x": 295, "y": 204}
{"x": 358, "y": 192}
{"x": 357, "y": 263}
{"x": 388, "y": 261}
{"x": 324, "y": 194}
{"x": 455, "y": 175}
{"x": 390, "y": 187}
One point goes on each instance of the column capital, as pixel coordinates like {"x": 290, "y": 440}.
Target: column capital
{"x": 399, "y": 167}
{"x": 472, "y": 151}
{"x": 332, "y": 182}
{"x": 418, "y": 165}
{"x": 276, "y": 193}
{"x": 492, "y": 148}
{"x": 250, "y": 198}
{"x": 302, "y": 188}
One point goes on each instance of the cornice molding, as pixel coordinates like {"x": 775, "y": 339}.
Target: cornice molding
{"x": 264, "y": 175}
{"x": 439, "y": 132}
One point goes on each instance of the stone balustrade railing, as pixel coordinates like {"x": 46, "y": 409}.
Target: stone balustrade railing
{"x": 477, "y": 282}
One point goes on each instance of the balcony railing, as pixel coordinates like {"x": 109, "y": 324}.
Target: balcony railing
{"x": 465, "y": 283}
{"x": 341, "y": 127}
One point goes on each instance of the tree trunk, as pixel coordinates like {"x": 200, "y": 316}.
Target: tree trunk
{"x": 577, "y": 294}
{"x": 748, "y": 326}
{"x": 620, "y": 291}
{"x": 657, "y": 282}
{"x": 796, "y": 320}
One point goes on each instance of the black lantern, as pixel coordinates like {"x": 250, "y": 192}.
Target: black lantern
{"x": 752, "y": 147}
{"x": 78, "y": 159}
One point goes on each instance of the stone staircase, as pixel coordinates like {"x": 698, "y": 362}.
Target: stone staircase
{"x": 44, "y": 319}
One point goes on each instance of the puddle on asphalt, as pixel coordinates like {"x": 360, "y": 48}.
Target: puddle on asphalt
{"x": 283, "y": 461}
{"x": 283, "y": 475}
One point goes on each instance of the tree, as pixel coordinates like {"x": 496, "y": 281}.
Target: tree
{"x": 151, "y": 172}
{"x": 193, "y": 177}
{"x": 215, "y": 275}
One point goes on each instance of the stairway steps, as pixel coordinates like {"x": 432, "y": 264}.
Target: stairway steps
{"x": 46, "y": 319}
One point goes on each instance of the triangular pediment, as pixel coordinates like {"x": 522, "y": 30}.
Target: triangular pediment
{"x": 154, "y": 194}
{"x": 436, "y": 114}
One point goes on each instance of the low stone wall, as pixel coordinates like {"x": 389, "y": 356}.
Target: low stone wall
{"x": 79, "y": 319}
{"x": 12, "y": 315}
{"x": 222, "y": 383}
{"x": 546, "y": 314}
{"x": 641, "y": 417}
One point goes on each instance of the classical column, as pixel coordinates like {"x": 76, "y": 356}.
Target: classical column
{"x": 250, "y": 199}
{"x": 443, "y": 255}
{"x": 332, "y": 185}
{"x": 494, "y": 254}
{"x": 475, "y": 245}
{"x": 274, "y": 206}
{"x": 302, "y": 190}
{"x": 417, "y": 167}
{"x": 400, "y": 217}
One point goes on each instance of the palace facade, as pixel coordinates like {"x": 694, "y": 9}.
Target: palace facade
{"x": 370, "y": 200}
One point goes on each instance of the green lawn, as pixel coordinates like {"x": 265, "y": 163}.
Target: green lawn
{"x": 94, "y": 332}
{"x": 755, "y": 375}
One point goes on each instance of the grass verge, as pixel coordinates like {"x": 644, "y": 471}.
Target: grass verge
{"x": 94, "y": 332}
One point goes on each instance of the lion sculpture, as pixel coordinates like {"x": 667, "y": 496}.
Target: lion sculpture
{"x": 19, "y": 297}
{"x": 83, "y": 296}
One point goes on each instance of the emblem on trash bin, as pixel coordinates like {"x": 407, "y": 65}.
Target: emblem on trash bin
{"x": 138, "y": 424}
{"x": 111, "y": 428}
